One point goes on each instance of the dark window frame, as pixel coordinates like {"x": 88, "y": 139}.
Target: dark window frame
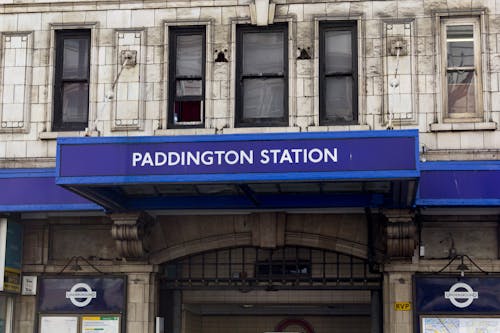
{"x": 475, "y": 70}
{"x": 173, "y": 32}
{"x": 59, "y": 81}
{"x": 338, "y": 26}
{"x": 240, "y": 77}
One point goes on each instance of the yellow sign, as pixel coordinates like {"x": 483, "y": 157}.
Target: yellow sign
{"x": 402, "y": 306}
{"x": 12, "y": 280}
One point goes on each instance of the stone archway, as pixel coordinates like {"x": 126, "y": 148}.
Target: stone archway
{"x": 179, "y": 236}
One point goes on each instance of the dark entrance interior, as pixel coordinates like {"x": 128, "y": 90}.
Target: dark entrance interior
{"x": 250, "y": 289}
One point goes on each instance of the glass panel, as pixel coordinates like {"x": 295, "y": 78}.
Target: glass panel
{"x": 446, "y": 324}
{"x": 338, "y": 98}
{"x": 189, "y": 55}
{"x": 187, "y": 111}
{"x": 263, "y": 98}
{"x": 460, "y": 54}
{"x": 338, "y": 51}
{"x": 263, "y": 53}
{"x": 76, "y": 58}
{"x": 188, "y": 88}
{"x": 75, "y": 102}
{"x": 465, "y": 31}
{"x": 461, "y": 92}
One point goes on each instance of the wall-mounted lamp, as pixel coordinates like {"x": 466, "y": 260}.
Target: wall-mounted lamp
{"x": 462, "y": 266}
{"x": 73, "y": 265}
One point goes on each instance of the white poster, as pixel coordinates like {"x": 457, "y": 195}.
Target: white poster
{"x": 54, "y": 324}
{"x": 101, "y": 324}
{"x": 460, "y": 325}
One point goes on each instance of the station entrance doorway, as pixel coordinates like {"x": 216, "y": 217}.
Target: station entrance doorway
{"x": 256, "y": 290}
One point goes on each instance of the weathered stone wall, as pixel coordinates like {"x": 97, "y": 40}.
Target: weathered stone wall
{"x": 27, "y": 33}
{"x": 178, "y": 236}
{"x": 50, "y": 243}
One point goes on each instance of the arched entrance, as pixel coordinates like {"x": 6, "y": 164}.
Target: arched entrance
{"x": 251, "y": 289}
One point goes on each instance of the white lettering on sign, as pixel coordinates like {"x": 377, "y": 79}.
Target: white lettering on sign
{"x": 80, "y": 297}
{"x": 234, "y": 157}
{"x": 467, "y": 296}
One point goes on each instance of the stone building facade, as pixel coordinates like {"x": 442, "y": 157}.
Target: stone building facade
{"x": 314, "y": 251}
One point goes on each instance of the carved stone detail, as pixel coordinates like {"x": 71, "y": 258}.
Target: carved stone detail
{"x": 401, "y": 233}
{"x": 131, "y": 234}
{"x": 268, "y": 229}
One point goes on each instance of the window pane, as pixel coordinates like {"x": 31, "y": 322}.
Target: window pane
{"x": 263, "y": 98}
{"x": 460, "y": 31}
{"x": 461, "y": 92}
{"x": 76, "y": 58}
{"x": 338, "y": 51}
{"x": 338, "y": 97}
{"x": 189, "y": 55}
{"x": 75, "y": 102}
{"x": 187, "y": 111}
{"x": 263, "y": 52}
{"x": 188, "y": 88}
{"x": 461, "y": 54}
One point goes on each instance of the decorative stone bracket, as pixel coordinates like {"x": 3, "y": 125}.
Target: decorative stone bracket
{"x": 401, "y": 233}
{"x": 131, "y": 234}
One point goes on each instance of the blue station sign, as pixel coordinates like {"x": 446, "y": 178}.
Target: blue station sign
{"x": 82, "y": 295}
{"x": 284, "y": 156}
{"x": 458, "y": 295}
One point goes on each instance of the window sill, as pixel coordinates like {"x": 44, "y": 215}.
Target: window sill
{"x": 246, "y": 130}
{"x": 63, "y": 134}
{"x": 452, "y": 127}
{"x": 185, "y": 131}
{"x": 339, "y": 128}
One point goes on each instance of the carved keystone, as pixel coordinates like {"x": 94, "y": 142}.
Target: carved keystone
{"x": 268, "y": 229}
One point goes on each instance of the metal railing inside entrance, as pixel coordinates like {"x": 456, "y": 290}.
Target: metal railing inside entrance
{"x": 251, "y": 268}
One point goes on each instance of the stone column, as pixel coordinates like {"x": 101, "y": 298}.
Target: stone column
{"x": 141, "y": 302}
{"x": 397, "y": 288}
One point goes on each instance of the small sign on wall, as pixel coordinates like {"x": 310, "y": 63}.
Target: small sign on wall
{"x": 402, "y": 306}
{"x": 29, "y": 285}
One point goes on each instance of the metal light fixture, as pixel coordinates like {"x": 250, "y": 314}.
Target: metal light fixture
{"x": 76, "y": 267}
{"x": 73, "y": 265}
{"x": 462, "y": 267}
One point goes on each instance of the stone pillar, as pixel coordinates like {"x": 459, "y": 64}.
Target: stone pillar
{"x": 397, "y": 288}
{"x": 24, "y": 314}
{"x": 131, "y": 233}
{"x": 141, "y": 302}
